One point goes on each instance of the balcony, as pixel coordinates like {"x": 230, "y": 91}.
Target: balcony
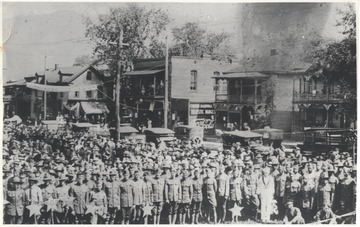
{"x": 317, "y": 98}
{"x": 244, "y": 99}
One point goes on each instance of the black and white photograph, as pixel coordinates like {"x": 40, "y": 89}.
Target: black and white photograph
{"x": 179, "y": 113}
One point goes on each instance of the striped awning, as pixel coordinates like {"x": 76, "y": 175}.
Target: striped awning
{"x": 94, "y": 107}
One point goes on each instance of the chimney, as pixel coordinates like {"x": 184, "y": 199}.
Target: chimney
{"x": 56, "y": 67}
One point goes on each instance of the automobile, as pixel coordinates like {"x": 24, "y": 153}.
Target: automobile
{"x": 245, "y": 138}
{"x": 274, "y": 136}
{"x": 189, "y": 133}
{"x": 323, "y": 140}
{"x": 128, "y": 132}
{"x": 288, "y": 147}
{"x": 158, "y": 135}
{"x": 53, "y": 125}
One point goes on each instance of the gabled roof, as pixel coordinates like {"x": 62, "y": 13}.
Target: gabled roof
{"x": 69, "y": 74}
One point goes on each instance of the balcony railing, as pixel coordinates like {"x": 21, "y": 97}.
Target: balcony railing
{"x": 248, "y": 99}
{"x": 306, "y": 97}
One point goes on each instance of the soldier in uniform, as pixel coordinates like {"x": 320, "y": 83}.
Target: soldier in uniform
{"x": 138, "y": 199}
{"x": 210, "y": 186}
{"x": 251, "y": 199}
{"x": 172, "y": 195}
{"x": 293, "y": 214}
{"x": 326, "y": 214}
{"x": 197, "y": 184}
{"x": 15, "y": 208}
{"x": 333, "y": 181}
{"x": 48, "y": 191}
{"x": 186, "y": 196}
{"x": 81, "y": 193}
{"x": 235, "y": 183}
{"x": 99, "y": 200}
{"x": 33, "y": 196}
{"x": 158, "y": 186}
{"x": 126, "y": 197}
{"x": 307, "y": 197}
{"x": 222, "y": 193}
{"x": 112, "y": 190}
{"x": 280, "y": 185}
{"x": 64, "y": 207}
{"x": 148, "y": 193}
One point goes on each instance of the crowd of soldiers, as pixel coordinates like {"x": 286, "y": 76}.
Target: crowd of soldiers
{"x": 76, "y": 178}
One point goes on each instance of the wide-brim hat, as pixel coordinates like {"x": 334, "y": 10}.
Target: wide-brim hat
{"x": 247, "y": 158}
{"x": 17, "y": 180}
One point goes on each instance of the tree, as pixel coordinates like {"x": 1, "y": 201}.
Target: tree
{"x": 84, "y": 60}
{"x": 190, "y": 38}
{"x": 336, "y": 62}
{"x": 141, "y": 28}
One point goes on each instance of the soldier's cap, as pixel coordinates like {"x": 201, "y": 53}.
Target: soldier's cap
{"x": 212, "y": 165}
{"x": 33, "y": 178}
{"x": 79, "y": 174}
{"x": 289, "y": 201}
{"x": 257, "y": 166}
{"x": 16, "y": 180}
{"x": 46, "y": 177}
{"x": 259, "y": 156}
{"x": 112, "y": 173}
{"x": 62, "y": 177}
{"x": 247, "y": 158}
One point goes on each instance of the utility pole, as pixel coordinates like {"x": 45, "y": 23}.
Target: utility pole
{"x": 166, "y": 103}
{"x": 118, "y": 85}
{"x": 44, "y": 90}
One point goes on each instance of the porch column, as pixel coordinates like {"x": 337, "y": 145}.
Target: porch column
{"x": 241, "y": 91}
{"x": 154, "y": 85}
{"x": 256, "y": 82}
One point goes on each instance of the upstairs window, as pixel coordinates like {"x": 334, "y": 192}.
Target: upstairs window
{"x": 88, "y": 94}
{"x": 76, "y": 94}
{"x": 193, "y": 80}
{"x": 88, "y": 75}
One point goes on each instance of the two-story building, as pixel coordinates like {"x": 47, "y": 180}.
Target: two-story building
{"x": 76, "y": 102}
{"x": 191, "y": 93}
{"x": 315, "y": 102}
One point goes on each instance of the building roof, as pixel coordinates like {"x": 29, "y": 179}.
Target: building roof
{"x": 143, "y": 72}
{"x": 242, "y": 75}
{"x": 300, "y": 67}
{"x": 21, "y": 82}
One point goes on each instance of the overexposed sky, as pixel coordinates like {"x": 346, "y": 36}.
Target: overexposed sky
{"x": 35, "y": 30}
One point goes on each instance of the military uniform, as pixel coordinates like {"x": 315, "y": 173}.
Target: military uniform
{"x": 185, "y": 195}
{"x": 280, "y": 186}
{"x": 158, "y": 187}
{"x": 197, "y": 194}
{"x": 222, "y": 195}
{"x": 235, "y": 191}
{"x": 81, "y": 193}
{"x": 112, "y": 190}
{"x": 100, "y": 201}
{"x": 64, "y": 207}
{"x": 15, "y": 208}
{"x": 126, "y": 198}
{"x": 172, "y": 194}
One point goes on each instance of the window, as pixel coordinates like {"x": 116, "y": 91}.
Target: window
{"x": 100, "y": 92}
{"x": 76, "y": 94}
{"x": 88, "y": 75}
{"x": 61, "y": 94}
{"x": 193, "y": 80}
{"x": 88, "y": 94}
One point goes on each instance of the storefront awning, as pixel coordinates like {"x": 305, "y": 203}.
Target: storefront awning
{"x": 242, "y": 75}
{"x": 143, "y": 72}
{"x": 94, "y": 107}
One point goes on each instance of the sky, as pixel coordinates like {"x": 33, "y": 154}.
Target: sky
{"x": 32, "y": 31}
